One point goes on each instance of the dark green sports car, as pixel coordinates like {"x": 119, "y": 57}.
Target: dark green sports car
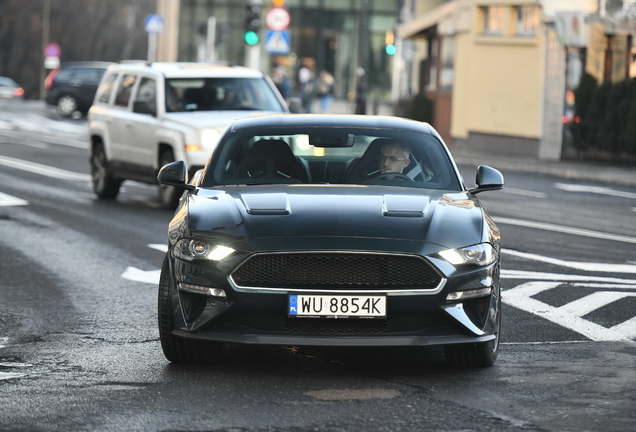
{"x": 330, "y": 230}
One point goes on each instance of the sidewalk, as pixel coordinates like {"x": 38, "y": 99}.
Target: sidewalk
{"x": 583, "y": 171}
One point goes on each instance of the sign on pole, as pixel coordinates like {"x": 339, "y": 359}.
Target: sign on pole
{"x": 277, "y": 19}
{"x": 154, "y": 24}
{"x": 277, "y": 42}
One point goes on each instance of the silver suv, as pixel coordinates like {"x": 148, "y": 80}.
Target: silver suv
{"x": 147, "y": 115}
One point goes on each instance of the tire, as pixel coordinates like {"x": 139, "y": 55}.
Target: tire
{"x": 176, "y": 349}
{"x": 66, "y": 106}
{"x": 105, "y": 185}
{"x": 168, "y": 195}
{"x": 478, "y": 354}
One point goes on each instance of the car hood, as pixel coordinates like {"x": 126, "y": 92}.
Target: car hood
{"x": 211, "y": 119}
{"x": 449, "y": 220}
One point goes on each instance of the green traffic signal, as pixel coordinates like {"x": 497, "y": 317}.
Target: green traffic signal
{"x": 251, "y": 38}
{"x": 390, "y": 49}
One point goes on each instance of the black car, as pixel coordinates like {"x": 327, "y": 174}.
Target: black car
{"x": 329, "y": 230}
{"x": 72, "y": 87}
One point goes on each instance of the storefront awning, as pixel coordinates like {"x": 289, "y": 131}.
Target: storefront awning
{"x": 416, "y": 28}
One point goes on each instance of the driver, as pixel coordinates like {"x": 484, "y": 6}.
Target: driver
{"x": 394, "y": 157}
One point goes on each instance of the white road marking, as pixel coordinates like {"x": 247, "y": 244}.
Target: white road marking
{"x": 521, "y": 297}
{"x": 530, "y": 275}
{"x": 590, "y": 303}
{"x": 592, "y": 267}
{"x": 523, "y": 192}
{"x": 134, "y": 274}
{"x": 44, "y": 170}
{"x": 8, "y": 200}
{"x": 564, "y": 229}
{"x": 159, "y": 246}
{"x": 594, "y": 189}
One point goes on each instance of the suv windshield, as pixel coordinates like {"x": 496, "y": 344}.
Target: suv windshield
{"x": 215, "y": 94}
{"x": 322, "y": 155}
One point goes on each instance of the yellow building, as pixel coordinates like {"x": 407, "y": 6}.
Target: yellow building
{"x": 496, "y": 71}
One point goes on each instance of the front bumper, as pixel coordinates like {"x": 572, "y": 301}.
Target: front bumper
{"x": 259, "y": 317}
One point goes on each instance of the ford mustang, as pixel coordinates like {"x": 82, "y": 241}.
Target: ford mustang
{"x": 330, "y": 230}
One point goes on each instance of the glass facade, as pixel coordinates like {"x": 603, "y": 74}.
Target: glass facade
{"x": 324, "y": 34}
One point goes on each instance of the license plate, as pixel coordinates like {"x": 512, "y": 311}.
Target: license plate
{"x": 336, "y": 306}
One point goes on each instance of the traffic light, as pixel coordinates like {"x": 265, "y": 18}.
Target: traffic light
{"x": 389, "y": 41}
{"x": 252, "y": 22}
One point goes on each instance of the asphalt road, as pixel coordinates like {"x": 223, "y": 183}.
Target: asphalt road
{"x": 79, "y": 347}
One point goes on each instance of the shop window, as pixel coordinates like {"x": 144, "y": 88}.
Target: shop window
{"x": 527, "y": 20}
{"x": 493, "y": 20}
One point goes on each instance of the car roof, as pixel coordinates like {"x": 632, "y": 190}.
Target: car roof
{"x": 332, "y": 120}
{"x": 88, "y": 64}
{"x": 189, "y": 70}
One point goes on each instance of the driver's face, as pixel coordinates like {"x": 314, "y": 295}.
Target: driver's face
{"x": 393, "y": 159}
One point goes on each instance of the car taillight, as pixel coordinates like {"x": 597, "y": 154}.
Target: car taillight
{"x": 18, "y": 92}
{"x": 48, "y": 82}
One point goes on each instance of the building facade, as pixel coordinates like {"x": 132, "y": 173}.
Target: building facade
{"x": 340, "y": 36}
{"x": 502, "y": 72}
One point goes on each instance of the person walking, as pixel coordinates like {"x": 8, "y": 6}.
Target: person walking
{"x": 325, "y": 90}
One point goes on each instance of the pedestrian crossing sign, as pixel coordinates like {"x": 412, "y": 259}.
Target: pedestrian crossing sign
{"x": 277, "y": 42}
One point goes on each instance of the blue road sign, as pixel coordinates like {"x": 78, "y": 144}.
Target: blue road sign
{"x": 154, "y": 24}
{"x": 277, "y": 42}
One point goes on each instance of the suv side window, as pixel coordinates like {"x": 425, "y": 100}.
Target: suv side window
{"x": 106, "y": 88}
{"x": 146, "y": 99}
{"x": 125, "y": 90}
{"x": 89, "y": 75}
{"x": 65, "y": 75}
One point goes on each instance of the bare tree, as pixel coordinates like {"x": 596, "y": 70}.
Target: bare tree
{"x": 86, "y": 30}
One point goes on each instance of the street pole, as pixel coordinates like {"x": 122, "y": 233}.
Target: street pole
{"x": 363, "y": 48}
{"x": 210, "y": 48}
{"x": 46, "y": 17}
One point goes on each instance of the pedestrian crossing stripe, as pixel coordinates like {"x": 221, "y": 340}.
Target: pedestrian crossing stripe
{"x": 571, "y": 315}
{"x": 277, "y": 42}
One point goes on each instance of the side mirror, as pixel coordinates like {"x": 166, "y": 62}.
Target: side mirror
{"x": 295, "y": 105}
{"x": 144, "y": 107}
{"x": 175, "y": 174}
{"x": 486, "y": 179}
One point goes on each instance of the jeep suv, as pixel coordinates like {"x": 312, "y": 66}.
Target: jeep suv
{"x": 146, "y": 115}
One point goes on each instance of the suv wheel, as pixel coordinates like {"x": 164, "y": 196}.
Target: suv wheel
{"x": 66, "y": 106}
{"x": 105, "y": 185}
{"x": 168, "y": 195}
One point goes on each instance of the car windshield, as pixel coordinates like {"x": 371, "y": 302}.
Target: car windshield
{"x": 215, "y": 94}
{"x": 320, "y": 155}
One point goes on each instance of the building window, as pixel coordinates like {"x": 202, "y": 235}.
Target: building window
{"x": 494, "y": 20}
{"x": 527, "y": 20}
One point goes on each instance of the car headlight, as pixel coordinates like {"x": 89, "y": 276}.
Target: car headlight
{"x": 191, "y": 249}
{"x": 480, "y": 255}
{"x": 209, "y": 138}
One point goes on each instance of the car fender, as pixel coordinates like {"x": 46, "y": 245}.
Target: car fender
{"x": 173, "y": 137}
{"x": 97, "y": 129}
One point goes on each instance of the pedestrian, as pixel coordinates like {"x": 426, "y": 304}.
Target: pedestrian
{"x": 307, "y": 91}
{"x": 325, "y": 90}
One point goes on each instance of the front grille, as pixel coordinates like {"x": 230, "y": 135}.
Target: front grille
{"x": 336, "y": 271}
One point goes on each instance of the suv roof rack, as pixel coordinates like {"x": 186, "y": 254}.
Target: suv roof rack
{"x": 144, "y": 62}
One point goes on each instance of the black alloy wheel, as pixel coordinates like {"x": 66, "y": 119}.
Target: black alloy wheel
{"x": 105, "y": 185}
{"x": 478, "y": 354}
{"x": 176, "y": 349}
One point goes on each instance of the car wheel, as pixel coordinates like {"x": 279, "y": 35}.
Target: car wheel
{"x": 105, "y": 185}
{"x": 479, "y": 354}
{"x": 66, "y": 106}
{"x": 168, "y": 195}
{"x": 176, "y": 349}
